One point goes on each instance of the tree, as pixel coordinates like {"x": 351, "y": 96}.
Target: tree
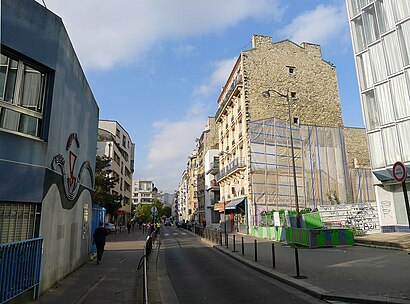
{"x": 144, "y": 211}
{"x": 104, "y": 184}
{"x": 167, "y": 211}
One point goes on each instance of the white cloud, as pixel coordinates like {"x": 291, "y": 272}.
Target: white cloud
{"x": 322, "y": 25}
{"x": 185, "y": 50}
{"x": 110, "y": 32}
{"x": 217, "y": 79}
{"x": 174, "y": 140}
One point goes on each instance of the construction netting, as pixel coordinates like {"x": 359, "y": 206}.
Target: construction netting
{"x": 322, "y": 174}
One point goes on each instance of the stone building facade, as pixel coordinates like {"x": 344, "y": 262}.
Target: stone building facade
{"x": 284, "y": 69}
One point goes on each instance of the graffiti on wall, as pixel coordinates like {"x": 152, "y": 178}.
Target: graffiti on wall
{"x": 362, "y": 217}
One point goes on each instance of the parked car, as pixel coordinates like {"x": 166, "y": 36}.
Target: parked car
{"x": 179, "y": 224}
{"x": 167, "y": 222}
{"x": 110, "y": 227}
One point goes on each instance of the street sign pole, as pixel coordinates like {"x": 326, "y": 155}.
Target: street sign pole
{"x": 406, "y": 200}
{"x": 400, "y": 175}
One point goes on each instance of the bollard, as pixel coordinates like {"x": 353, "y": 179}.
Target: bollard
{"x": 243, "y": 247}
{"x": 226, "y": 240}
{"x": 256, "y": 251}
{"x": 220, "y": 238}
{"x": 273, "y": 256}
{"x": 234, "y": 244}
{"x": 297, "y": 262}
{"x": 143, "y": 229}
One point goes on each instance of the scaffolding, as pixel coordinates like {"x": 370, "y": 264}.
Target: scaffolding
{"x": 322, "y": 174}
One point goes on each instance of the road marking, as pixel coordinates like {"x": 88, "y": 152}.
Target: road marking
{"x": 175, "y": 233}
{"x": 183, "y": 233}
{"x": 166, "y": 234}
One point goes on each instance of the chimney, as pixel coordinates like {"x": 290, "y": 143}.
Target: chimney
{"x": 312, "y": 49}
{"x": 259, "y": 41}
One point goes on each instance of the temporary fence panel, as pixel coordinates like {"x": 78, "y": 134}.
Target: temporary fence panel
{"x": 362, "y": 217}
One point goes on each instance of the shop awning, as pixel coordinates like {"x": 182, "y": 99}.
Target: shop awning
{"x": 233, "y": 203}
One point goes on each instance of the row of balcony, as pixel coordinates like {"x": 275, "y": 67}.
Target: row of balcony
{"x": 232, "y": 166}
{"x": 236, "y": 82}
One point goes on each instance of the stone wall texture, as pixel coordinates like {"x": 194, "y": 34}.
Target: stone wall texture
{"x": 266, "y": 66}
{"x": 357, "y": 151}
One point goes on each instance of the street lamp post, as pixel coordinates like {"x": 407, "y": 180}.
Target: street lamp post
{"x": 266, "y": 94}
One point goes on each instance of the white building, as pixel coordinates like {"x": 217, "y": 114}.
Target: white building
{"x": 183, "y": 197}
{"x": 115, "y": 142}
{"x": 381, "y": 41}
{"x": 142, "y": 192}
{"x": 212, "y": 193}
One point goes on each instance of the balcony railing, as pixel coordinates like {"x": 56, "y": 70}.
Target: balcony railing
{"x": 232, "y": 166}
{"x": 236, "y": 82}
{"x": 214, "y": 168}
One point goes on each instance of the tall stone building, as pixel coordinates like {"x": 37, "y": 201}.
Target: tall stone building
{"x": 282, "y": 69}
{"x": 381, "y": 41}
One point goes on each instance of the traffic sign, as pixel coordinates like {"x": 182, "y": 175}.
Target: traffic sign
{"x": 399, "y": 172}
{"x": 154, "y": 210}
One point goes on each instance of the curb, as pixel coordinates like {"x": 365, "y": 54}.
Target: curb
{"x": 308, "y": 288}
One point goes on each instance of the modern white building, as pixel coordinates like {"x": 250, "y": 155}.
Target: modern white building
{"x": 183, "y": 197}
{"x": 115, "y": 142}
{"x": 380, "y": 32}
{"x": 142, "y": 192}
{"x": 212, "y": 192}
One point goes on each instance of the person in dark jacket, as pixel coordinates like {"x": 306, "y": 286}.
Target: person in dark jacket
{"x": 99, "y": 239}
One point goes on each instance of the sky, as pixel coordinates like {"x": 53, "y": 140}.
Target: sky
{"x": 157, "y": 67}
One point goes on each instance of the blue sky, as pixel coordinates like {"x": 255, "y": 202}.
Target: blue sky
{"x": 157, "y": 67}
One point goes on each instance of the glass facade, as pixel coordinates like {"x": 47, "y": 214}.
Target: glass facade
{"x": 381, "y": 41}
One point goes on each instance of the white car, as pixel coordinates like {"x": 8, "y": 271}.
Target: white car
{"x": 110, "y": 228}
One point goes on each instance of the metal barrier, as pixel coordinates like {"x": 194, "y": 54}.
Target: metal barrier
{"x": 20, "y": 267}
{"x": 210, "y": 234}
{"x": 143, "y": 263}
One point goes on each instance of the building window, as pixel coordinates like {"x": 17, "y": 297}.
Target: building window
{"x": 370, "y": 25}
{"x": 124, "y": 139}
{"x": 117, "y": 133}
{"x": 293, "y": 95}
{"x": 385, "y": 12}
{"x": 22, "y": 95}
{"x": 358, "y": 34}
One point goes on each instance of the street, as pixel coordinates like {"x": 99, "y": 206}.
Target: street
{"x": 200, "y": 274}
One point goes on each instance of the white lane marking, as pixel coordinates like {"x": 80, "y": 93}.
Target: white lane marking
{"x": 183, "y": 233}
{"x": 166, "y": 234}
{"x": 175, "y": 233}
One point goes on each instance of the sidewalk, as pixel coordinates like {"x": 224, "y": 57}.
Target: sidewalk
{"x": 114, "y": 281}
{"x": 348, "y": 273}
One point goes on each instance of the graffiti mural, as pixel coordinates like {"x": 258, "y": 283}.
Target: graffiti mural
{"x": 361, "y": 217}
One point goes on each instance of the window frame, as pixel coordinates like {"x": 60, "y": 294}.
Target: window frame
{"x": 42, "y": 112}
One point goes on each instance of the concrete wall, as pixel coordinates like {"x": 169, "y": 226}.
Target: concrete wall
{"x": 30, "y": 30}
{"x": 314, "y": 81}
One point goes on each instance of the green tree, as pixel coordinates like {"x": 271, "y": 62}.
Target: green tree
{"x": 144, "y": 211}
{"x": 103, "y": 186}
{"x": 167, "y": 211}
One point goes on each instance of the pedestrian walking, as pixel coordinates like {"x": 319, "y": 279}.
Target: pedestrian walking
{"x": 129, "y": 227}
{"x": 99, "y": 237}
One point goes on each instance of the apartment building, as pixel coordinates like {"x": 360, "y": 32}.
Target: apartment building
{"x": 212, "y": 192}
{"x": 182, "y": 197}
{"x": 381, "y": 41}
{"x": 208, "y": 140}
{"x": 142, "y": 192}
{"x": 115, "y": 142}
{"x": 282, "y": 69}
{"x": 192, "y": 187}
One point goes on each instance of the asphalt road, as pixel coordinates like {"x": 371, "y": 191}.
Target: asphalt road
{"x": 197, "y": 273}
